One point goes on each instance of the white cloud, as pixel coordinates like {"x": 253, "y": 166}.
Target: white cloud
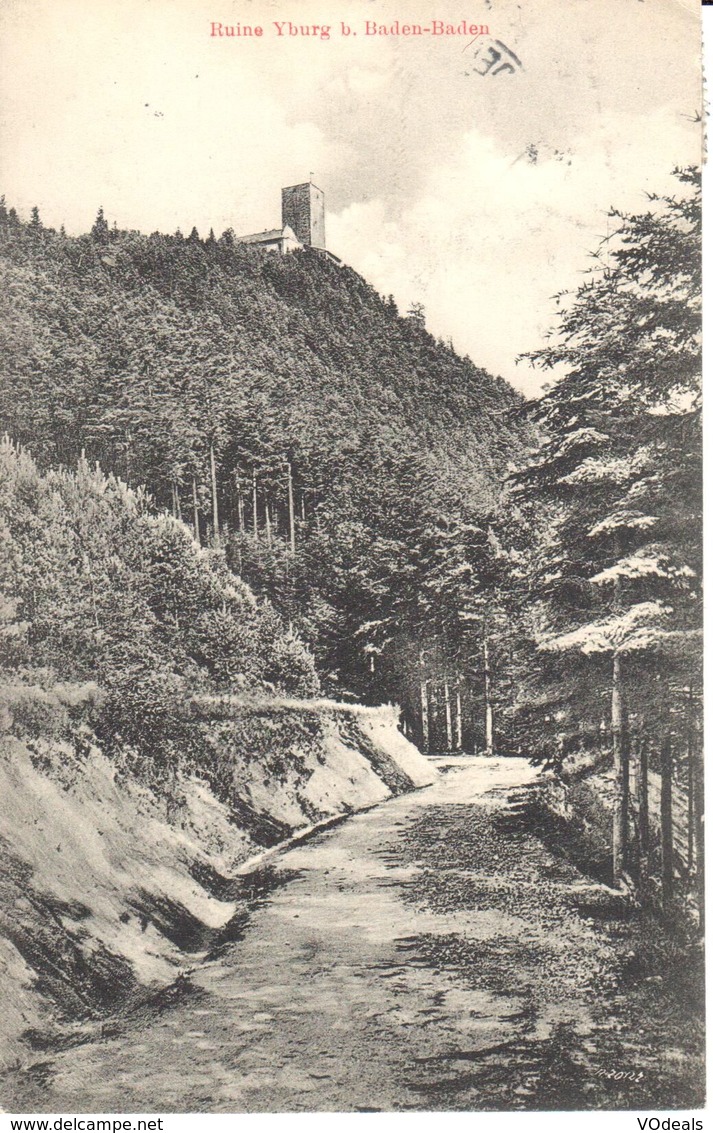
{"x": 494, "y": 235}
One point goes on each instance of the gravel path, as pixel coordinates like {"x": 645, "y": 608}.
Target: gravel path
{"x": 434, "y": 953}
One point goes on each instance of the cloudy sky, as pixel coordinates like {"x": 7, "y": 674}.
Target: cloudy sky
{"x": 479, "y": 196}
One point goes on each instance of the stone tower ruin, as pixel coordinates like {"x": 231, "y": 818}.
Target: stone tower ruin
{"x": 303, "y": 211}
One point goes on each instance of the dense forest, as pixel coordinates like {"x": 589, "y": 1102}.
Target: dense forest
{"x": 518, "y": 576}
{"x": 344, "y": 461}
{"x": 113, "y": 621}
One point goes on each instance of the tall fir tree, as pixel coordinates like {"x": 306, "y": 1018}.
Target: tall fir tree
{"x": 618, "y": 479}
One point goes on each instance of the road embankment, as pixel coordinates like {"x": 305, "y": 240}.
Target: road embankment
{"x": 111, "y": 889}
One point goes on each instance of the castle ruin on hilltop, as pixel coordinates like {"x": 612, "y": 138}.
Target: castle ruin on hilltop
{"x": 302, "y": 224}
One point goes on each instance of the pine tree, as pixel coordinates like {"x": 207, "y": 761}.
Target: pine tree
{"x": 618, "y": 472}
{"x": 100, "y": 229}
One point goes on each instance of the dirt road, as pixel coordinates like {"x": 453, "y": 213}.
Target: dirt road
{"x": 433, "y": 953}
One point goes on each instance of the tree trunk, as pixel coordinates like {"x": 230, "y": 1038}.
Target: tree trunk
{"x": 449, "y": 721}
{"x": 691, "y": 815}
{"x": 241, "y": 505}
{"x": 621, "y": 775}
{"x": 643, "y": 790}
{"x": 255, "y": 530}
{"x": 214, "y": 496}
{"x": 92, "y": 594}
{"x": 196, "y": 524}
{"x": 291, "y": 507}
{"x": 268, "y": 525}
{"x": 700, "y": 837}
{"x": 691, "y": 775}
{"x": 425, "y": 730}
{"x": 666, "y": 826}
{"x": 128, "y": 464}
{"x": 488, "y": 699}
{"x": 459, "y": 721}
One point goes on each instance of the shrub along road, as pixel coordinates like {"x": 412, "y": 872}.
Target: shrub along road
{"x": 436, "y": 952}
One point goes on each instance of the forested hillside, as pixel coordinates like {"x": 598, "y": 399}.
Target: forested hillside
{"x": 518, "y": 577}
{"x": 113, "y": 618}
{"x": 345, "y": 461}
{"x": 157, "y": 729}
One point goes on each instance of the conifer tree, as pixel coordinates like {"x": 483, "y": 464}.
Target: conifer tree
{"x": 100, "y": 229}
{"x": 618, "y": 473}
